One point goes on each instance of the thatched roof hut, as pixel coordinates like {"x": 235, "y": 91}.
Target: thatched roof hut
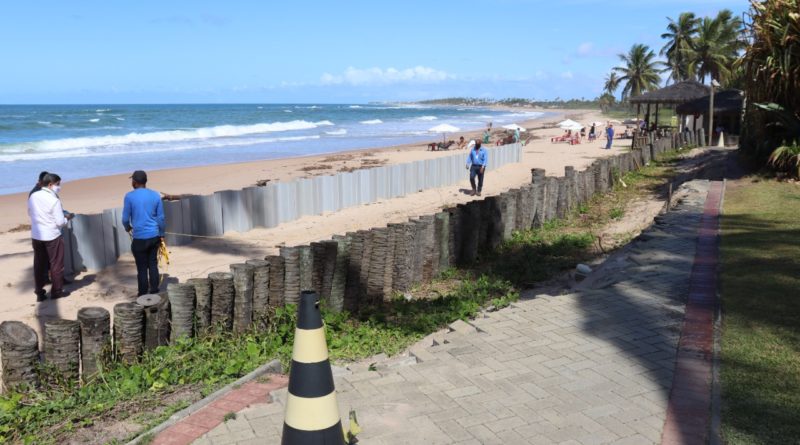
{"x": 725, "y": 101}
{"x": 675, "y": 94}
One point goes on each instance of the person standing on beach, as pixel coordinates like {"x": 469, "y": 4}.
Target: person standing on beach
{"x": 486, "y": 135}
{"x": 477, "y": 160}
{"x": 47, "y": 218}
{"x": 143, "y": 218}
{"x": 609, "y": 136}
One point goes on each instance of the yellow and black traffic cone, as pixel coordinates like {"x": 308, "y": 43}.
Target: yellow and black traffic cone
{"x": 312, "y": 414}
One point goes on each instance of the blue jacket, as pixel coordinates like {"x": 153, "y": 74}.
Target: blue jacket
{"x": 479, "y": 158}
{"x": 144, "y": 212}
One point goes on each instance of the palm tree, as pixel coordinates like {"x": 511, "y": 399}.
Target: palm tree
{"x": 611, "y": 83}
{"x": 639, "y": 72}
{"x": 715, "y": 47}
{"x": 680, "y": 35}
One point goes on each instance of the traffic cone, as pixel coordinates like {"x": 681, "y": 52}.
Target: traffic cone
{"x": 312, "y": 414}
{"x": 721, "y": 142}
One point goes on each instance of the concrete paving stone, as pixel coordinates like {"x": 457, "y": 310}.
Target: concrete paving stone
{"x": 637, "y": 439}
{"x": 564, "y": 434}
{"x": 484, "y": 435}
{"x": 511, "y": 437}
{"x": 454, "y": 430}
{"x": 473, "y": 419}
{"x": 603, "y": 436}
{"x": 504, "y": 424}
{"x": 202, "y": 441}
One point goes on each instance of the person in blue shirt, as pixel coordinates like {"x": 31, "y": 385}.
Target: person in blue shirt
{"x": 143, "y": 218}
{"x": 609, "y": 136}
{"x": 477, "y": 160}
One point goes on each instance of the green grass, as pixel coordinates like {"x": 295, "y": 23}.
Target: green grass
{"x": 760, "y": 276}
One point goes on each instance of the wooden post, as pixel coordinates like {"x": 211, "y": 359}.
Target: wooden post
{"x": 156, "y": 320}
{"x": 260, "y": 290}
{"x": 222, "y": 299}
{"x": 19, "y": 348}
{"x": 276, "y": 280}
{"x": 181, "y": 304}
{"x": 243, "y": 296}
{"x": 128, "y": 332}
{"x": 339, "y": 280}
{"x": 291, "y": 288}
{"x": 95, "y": 338}
{"x": 202, "y": 293}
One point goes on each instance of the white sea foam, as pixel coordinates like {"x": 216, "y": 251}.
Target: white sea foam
{"x": 222, "y": 131}
{"x": 426, "y": 118}
{"x": 94, "y": 120}
{"x": 355, "y": 106}
{"x": 372, "y": 122}
{"x": 120, "y": 118}
{"x": 287, "y": 111}
{"x": 338, "y": 132}
{"x": 45, "y": 123}
{"x": 102, "y": 110}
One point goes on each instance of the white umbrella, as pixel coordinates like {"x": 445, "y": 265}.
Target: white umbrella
{"x": 514, "y": 127}
{"x": 567, "y": 124}
{"x": 614, "y": 121}
{"x": 444, "y": 128}
{"x": 574, "y": 127}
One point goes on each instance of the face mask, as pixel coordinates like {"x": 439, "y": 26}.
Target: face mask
{"x": 56, "y": 189}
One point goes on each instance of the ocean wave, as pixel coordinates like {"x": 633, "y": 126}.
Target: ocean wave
{"x": 355, "y": 106}
{"x": 338, "y": 132}
{"x": 94, "y": 120}
{"x": 287, "y": 111}
{"x": 372, "y": 122}
{"x": 426, "y": 118}
{"x": 45, "y": 123}
{"x": 222, "y": 131}
{"x": 120, "y": 118}
{"x": 102, "y": 110}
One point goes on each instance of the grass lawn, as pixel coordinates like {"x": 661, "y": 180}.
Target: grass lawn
{"x": 760, "y": 370}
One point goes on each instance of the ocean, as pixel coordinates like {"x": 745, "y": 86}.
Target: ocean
{"x": 81, "y": 141}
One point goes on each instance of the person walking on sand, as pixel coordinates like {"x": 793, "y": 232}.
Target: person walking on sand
{"x": 143, "y": 218}
{"x": 47, "y": 218}
{"x": 477, "y": 160}
{"x": 609, "y": 136}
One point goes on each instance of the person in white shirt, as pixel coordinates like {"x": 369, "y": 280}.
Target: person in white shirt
{"x": 47, "y": 219}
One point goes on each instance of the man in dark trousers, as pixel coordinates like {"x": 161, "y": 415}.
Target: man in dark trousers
{"x": 143, "y": 217}
{"x": 47, "y": 220}
{"x": 477, "y": 160}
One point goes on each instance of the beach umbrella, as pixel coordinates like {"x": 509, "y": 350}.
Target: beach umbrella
{"x": 614, "y": 121}
{"x": 574, "y": 127}
{"x": 514, "y": 127}
{"x": 569, "y": 124}
{"x": 444, "y": 129}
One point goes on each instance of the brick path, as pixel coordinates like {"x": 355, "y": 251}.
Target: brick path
{"x": 589, "y": 367}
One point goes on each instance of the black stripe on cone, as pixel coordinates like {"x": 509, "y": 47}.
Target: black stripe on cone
{"x": 312, "y": 415}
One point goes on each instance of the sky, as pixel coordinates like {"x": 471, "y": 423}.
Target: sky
{"x": 303, "y": 51}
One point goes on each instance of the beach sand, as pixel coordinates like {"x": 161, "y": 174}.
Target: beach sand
{"x": 118, "y": 283}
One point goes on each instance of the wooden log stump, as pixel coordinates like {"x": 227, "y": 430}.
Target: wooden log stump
{"x": 429, "y": 248}
{"x": 61, "y": 348}
{"x": 128, "y": 332}
{"x": 291, "y": 287}
{"x": 470, "y": 229}
{"x": 388, "y": 265}
{"x": 306, "y": 268}
{"x": 353, "y": 276}
{"x": 156, "y": 320}
{"x": 277, "y": 271}
{"x": 222, "y": 293}
{"x": 260, "y": 290}
{"x": 242, "y": 296}
{"x": 202, "y": 294}
{"x": 494, "y": 220}
{"x": 366, "y": 259}
{"x": 442, "y": 238}
{"x": 181, "y": 303}
{"x": 95, "y": 338}
{"x": 19, "y": 348}
{"x": 318, "y": 270}
{"x": 377, "y": 265}
{"x": 339, "y": 280}
{"x": 327, "y": 264}
{"x": 539, "y": 181}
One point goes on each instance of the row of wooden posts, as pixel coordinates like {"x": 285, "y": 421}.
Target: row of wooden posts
{"x": 349, "y": 271}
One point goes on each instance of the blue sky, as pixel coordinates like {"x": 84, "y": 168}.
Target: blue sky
{"x": 182, "y": 51}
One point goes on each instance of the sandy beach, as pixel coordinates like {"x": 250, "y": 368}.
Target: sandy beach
{"x": 118, "y": 283}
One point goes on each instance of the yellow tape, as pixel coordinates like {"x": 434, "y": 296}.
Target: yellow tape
{"x": 315, "y": 414}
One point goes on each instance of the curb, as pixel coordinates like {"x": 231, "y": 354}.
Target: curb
{"x": 273, "y": 367}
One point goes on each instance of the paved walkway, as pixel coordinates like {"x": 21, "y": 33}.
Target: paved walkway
{"x": 590, "y": 367}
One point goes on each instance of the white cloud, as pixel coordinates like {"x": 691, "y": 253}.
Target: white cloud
{"x": 381, "y": 76}
{"x": 585, "y": 48}
{"x": 567, "y": 75}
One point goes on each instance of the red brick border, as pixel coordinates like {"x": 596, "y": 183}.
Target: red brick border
{"x": 190, "y": 428}
{"x": 689, "y": 409}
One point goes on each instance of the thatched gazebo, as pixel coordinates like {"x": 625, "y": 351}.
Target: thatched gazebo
{"x": 727, "y": 108}
{"x": 672, "y": 96}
